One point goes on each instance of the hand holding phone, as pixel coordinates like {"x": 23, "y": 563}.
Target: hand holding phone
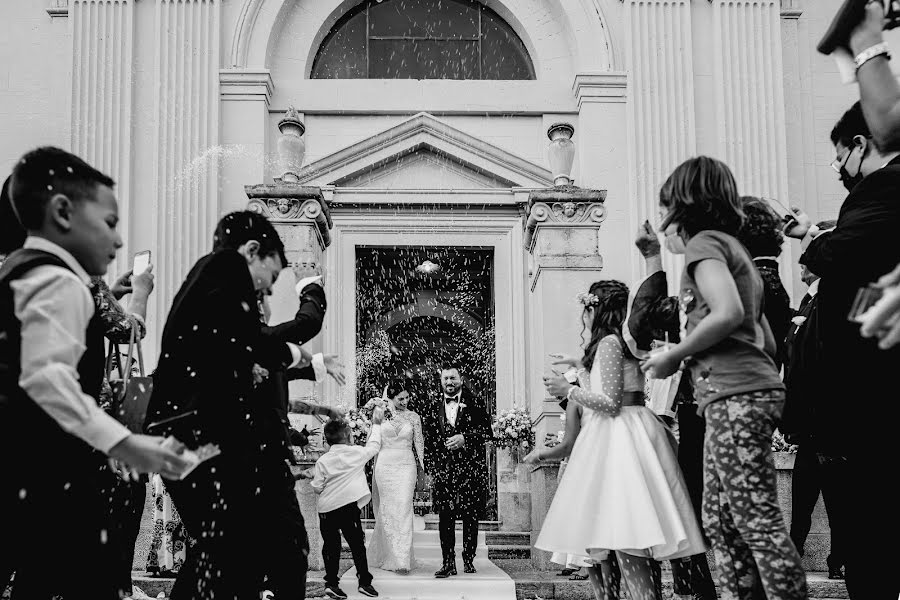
{"x": 141, "y": 263}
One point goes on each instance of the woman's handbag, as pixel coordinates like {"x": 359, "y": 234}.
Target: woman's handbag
{"x": 130, "y": 394}
{"x": 421, "y": 481}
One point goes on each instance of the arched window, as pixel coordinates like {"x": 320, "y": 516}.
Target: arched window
{"x": 422, "y": 39}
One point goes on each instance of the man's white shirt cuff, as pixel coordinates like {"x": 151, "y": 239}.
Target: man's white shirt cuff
{"x": 296, "y": 355}
{"x": 318, "y": 365}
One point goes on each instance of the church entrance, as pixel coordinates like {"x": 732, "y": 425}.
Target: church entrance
{"x": 417, "y": 307}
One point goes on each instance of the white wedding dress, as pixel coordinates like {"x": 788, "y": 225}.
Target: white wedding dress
{"x": 394, "y": 484}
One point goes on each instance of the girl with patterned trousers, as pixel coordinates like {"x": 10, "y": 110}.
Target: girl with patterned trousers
{"x": 729, "y": 352}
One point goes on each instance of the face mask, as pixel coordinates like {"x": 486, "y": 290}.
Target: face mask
{"x": 674, "y": 243}
{"x": 851, "y": 181}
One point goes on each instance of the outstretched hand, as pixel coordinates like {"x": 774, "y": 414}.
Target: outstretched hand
{"x": 335, "y": 368}
{"x": 646, "y": 240}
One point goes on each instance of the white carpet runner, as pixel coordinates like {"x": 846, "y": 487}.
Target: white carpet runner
{"x": 489, "y": 583}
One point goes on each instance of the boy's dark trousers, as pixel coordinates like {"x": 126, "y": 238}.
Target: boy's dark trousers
{"x": 331, "y": 524}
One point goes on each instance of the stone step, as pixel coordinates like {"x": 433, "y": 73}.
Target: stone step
{"x": 529, "y": 583}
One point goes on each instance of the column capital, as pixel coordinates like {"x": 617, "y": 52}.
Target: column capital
{"x": 58, "y": 9}
{"x": 246, "y": 84}
{"x": 565, "y": 207}
{"x": 292, "y": 204}
{"x": 791, "y": 9}
{"x": 601, "y": 86}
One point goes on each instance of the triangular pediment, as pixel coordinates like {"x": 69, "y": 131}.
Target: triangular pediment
{"x": 425, "y": 153}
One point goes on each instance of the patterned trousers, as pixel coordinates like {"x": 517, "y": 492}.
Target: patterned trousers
{"x": 755, "y": 556}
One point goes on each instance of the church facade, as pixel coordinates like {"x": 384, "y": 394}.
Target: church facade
{"x": 424, "y": 124}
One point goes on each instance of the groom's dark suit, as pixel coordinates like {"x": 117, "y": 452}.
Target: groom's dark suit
{"x": 459, "y": 476}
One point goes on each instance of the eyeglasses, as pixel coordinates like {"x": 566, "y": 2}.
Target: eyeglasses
{"x": 839, "y": 163}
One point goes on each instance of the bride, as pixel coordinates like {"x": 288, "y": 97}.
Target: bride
{"x": 394, "y": 483}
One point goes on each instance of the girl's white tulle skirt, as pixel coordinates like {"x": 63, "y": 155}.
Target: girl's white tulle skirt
{"x": 622, "y": 490}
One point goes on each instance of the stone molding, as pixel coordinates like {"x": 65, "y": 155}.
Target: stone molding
{"x": 246, "y": 84}
{"x": 425, "y": 131}
{"x": 608, "y": 87}
{"x": 563, "y": 207}
{"x": 58, "y": 9}
{"x": 292, "y": 204}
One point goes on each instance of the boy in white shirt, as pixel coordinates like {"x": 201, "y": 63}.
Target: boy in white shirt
{"x": 339, "y": 479}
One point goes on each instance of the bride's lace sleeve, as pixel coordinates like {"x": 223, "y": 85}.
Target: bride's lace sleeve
{"x": 419, "y": 439}
{"x": 610, "y": 359}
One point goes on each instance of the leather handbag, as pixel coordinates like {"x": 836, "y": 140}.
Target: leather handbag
{"x": 421, "y": 480}
{"x": 131, "y": 394}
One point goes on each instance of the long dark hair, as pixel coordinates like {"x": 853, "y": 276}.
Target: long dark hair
{"x": 609, "y": 299}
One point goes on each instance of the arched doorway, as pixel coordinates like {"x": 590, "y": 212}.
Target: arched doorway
{"x": 418, "y": 307}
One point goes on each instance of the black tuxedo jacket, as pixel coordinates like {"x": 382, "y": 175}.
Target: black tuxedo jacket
{"x": 855, "y": 372}
{"x": 802, "y": 372}
{"x": 459, "y": 476}
{"x": 273, "y": 392}
{"x": 211, "y": 340}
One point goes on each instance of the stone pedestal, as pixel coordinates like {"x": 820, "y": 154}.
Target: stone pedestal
{"x": 561, "y": 236}
{"x": 513, "y": 490}
{"x": 544, "y": 479}
{"x": 301, "y": 217}
{"x": 307, "y": 499}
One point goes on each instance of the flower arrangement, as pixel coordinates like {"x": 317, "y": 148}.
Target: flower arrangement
{"x": 587, "y": 299}
{"x": 360, "y": 424}
{"x": 512, "y": 429}
{"x": 779, "y": 444}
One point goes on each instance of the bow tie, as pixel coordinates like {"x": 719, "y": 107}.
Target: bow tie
{"x": 449, "y": 399}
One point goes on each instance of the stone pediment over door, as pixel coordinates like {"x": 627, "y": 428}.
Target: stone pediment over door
{"x": 425, "y": 153}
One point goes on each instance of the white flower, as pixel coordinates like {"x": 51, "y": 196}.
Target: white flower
{"x": 360, "y": 422}
{"x": 353, "y": 425}
{"x": 798, "y": 320}
{"x": 515, "y": 434}
{"x": 524, "y": 443}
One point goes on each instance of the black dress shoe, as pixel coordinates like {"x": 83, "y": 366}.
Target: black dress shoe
{"x": 446, "y": 571}
{"x": 468, "y": 567}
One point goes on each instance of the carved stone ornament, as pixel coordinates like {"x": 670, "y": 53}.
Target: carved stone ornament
{"x": 282, "y": 203}
{"x": 573, "y": 207}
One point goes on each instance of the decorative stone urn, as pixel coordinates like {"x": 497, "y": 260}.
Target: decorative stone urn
{"x": 290, "y": 147}
{"x": 513, "y": 490}
{"x": 561, "y": 152}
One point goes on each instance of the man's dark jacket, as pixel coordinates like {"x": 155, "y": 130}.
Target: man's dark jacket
{"x": 459, "y": 476}
{"x": 856, "y": 376}
{"x": 305, "y": 325}
{"x": 212, "y": 339}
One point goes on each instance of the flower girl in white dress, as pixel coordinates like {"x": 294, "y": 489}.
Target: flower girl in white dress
{"x": 623, "y": 490}
{"x": 394, "y": 484}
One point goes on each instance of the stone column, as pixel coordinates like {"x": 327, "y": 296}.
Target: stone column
{"x": 750, "y": 107}
{"x": 103, "y": 36}
{"x": 186, "y": 89}
{"x": 246, "y": 95}
{"x": 661, "y": 124}
{"x": 561, "y": 236}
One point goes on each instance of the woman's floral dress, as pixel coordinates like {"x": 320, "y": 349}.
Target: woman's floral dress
{"x": 170, "y": 539}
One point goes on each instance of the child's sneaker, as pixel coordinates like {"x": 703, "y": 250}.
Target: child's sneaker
{"x": 333, "y": 591}
{"x": 368, "y": 590}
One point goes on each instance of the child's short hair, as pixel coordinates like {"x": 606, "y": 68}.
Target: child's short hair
{"x": 335, "y": 431}
{"x": 701, "y": 194}
{"x": 761, "y": 232}
{"x": 12, "y": 234}
{"x": 45, "y": 172}
{"x": 237, "y": 228}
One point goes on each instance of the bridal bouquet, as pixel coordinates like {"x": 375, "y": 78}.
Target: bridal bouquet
{"x": 360, "y": 424}
{"x": 512, "y": 429}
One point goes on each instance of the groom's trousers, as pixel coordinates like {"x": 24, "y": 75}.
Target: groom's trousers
{"x": 447, "y": 528}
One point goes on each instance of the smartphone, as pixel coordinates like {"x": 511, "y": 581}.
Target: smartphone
{"x": 141, "y": 262}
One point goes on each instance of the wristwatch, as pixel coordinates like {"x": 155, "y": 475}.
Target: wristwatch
{"x": 870, "y": 53}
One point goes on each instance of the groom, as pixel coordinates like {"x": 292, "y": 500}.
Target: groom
{"x": 456, "y": 429}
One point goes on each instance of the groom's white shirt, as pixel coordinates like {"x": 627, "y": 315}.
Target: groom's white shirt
{"x": 340, "y": 477}
{"x": 451, "y": 408}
